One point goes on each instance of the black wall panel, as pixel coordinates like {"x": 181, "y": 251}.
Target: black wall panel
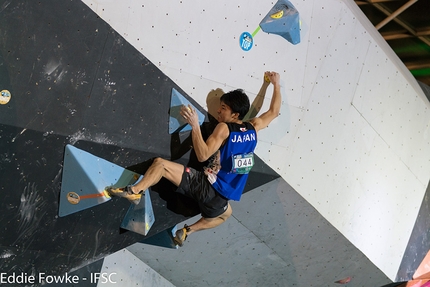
{"x": 74, "y": 80}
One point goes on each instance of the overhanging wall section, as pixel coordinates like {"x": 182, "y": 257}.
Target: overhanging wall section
{"x": 334, "y": 141}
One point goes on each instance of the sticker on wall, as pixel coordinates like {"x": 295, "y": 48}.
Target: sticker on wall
{"x": 4, "y": 97}
{"x": 73, "y": 197}
{"x": 246, "y": 39}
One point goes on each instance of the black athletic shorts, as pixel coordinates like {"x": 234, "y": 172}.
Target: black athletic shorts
{"x": 194, "y": 184}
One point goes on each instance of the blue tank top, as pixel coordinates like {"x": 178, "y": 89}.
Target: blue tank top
{"x": 236, "y": 159}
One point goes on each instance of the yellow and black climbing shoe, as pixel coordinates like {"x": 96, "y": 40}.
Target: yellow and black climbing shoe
{"x": 126, "y": 193}
{"x": 181, "y": 235}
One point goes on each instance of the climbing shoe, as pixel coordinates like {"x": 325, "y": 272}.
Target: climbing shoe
{"x": 181, "y": 235}
{"x": 126, "y": 193}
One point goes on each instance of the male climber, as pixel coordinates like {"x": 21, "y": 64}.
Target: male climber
{"x": 229, "y": 151}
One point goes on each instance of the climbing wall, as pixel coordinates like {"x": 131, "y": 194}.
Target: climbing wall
{"x": 351, "y": 143}
{"x": 352, "y": 137}
{"x": 74, "y": 81}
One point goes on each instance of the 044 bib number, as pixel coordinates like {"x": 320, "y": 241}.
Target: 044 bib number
{"x": 242, "y": 163}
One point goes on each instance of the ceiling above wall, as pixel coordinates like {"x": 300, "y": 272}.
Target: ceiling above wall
{"x": 405, "y": 25}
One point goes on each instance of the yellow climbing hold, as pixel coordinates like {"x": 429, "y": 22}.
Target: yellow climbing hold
{"x": 106, "y": 193}
{"x": 277, "y": 15}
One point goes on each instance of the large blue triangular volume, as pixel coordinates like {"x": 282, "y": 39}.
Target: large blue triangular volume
{"x": 283, "y": 20}
{"x": 176, "y": 122}
{"x": 139, "y": 218}
{"x": 163, "y": 238}
{"x": 85, "y": 178}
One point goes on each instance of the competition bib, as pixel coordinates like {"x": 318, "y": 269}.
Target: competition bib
{"x": 242, "y": 163}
